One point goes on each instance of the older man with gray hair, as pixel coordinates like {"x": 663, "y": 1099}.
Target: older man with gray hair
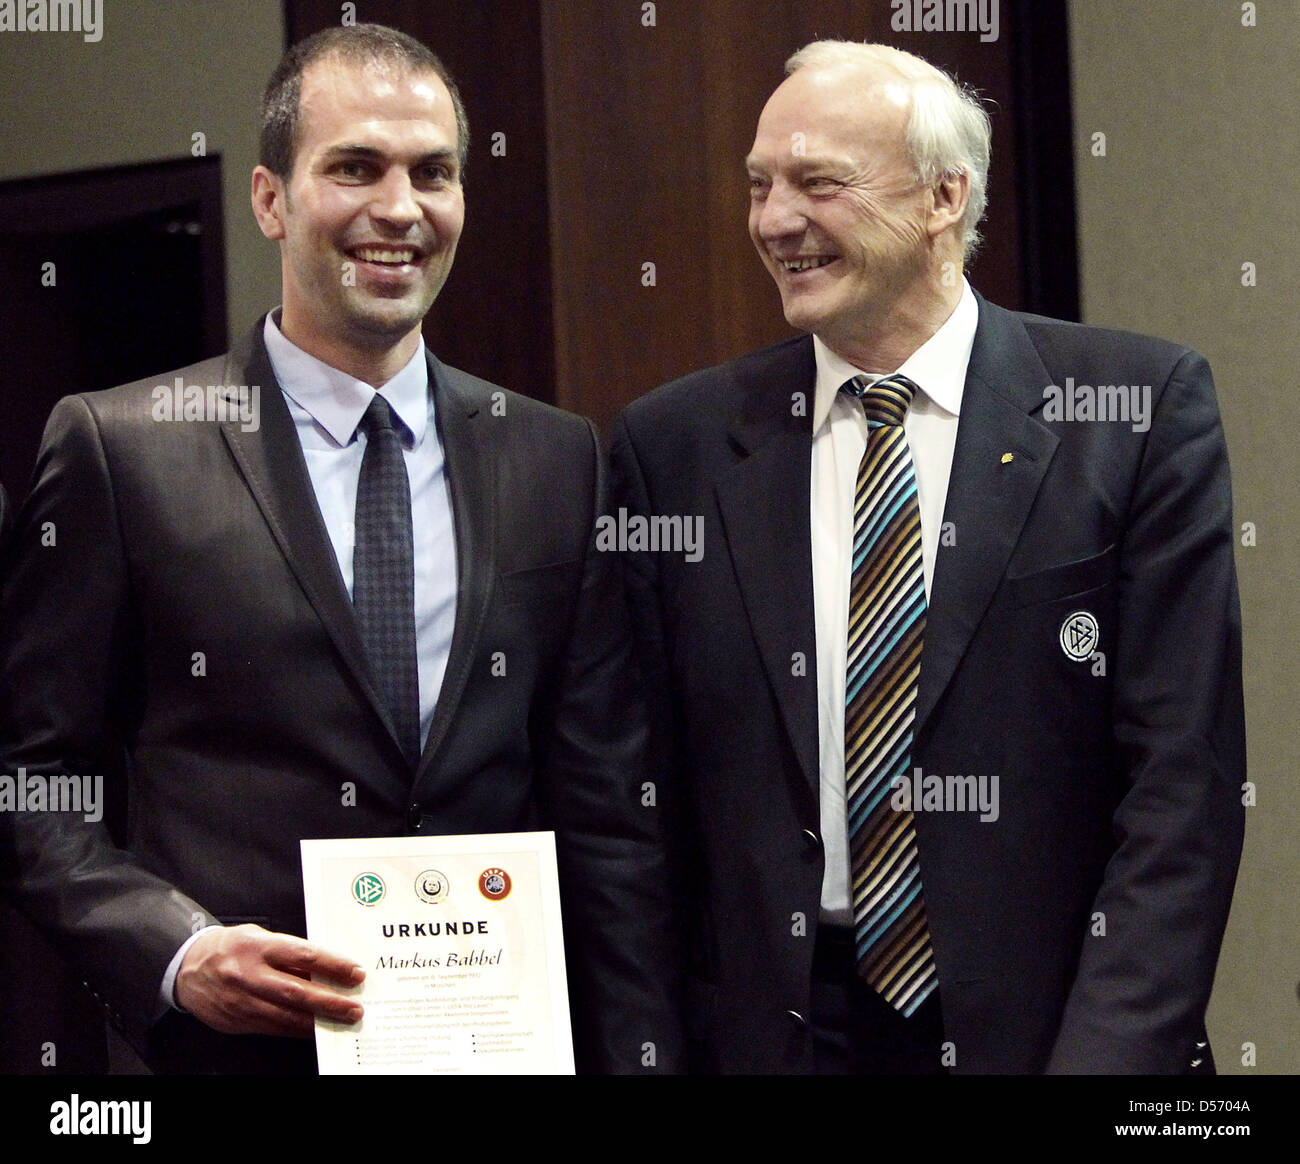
{"x": 951, "y": 708}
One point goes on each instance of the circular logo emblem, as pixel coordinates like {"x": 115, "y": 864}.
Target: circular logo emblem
{"x": 494, "y": 884}
{"x": 368, "y": 888}
{"x": 432, "y": 887}
{"x": 1079, "y": 635}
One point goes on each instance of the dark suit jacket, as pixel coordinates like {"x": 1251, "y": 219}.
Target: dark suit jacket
{"x": 181, "y": 540}
{"x": 1079, "y": 932}
{"x": 6, "y": 521}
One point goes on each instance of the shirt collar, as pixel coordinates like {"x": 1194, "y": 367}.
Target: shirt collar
{"x": 337, "y": 401}
{"x": 938, "y": 366}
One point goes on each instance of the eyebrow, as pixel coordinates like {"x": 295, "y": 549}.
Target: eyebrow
{"x": 801, "y": 164}
{"x": 370, "y": 154}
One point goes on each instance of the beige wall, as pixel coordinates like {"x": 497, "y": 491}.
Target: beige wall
{"x": 162, "y": 71}
{"x": 1201, "y": 175}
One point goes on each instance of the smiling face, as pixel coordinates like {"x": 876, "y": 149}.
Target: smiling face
{"x": 836, "y": 211}
{"x": 369, "y": 219}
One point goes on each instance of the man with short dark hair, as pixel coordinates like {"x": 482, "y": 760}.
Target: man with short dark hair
{"x": 362, "y": 601}
{"x": 952, "y": 707}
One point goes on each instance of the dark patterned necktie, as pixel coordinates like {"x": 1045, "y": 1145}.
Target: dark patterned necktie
{"x": 886, "y": 627}
{"x": 383, "y": 573}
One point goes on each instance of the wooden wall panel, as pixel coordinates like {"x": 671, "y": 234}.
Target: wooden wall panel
{"x": 647, "y": 131}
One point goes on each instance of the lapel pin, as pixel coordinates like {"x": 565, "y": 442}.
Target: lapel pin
{"x": 1007, "y": 458}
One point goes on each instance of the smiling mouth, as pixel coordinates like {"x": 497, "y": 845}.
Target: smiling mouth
{"x": 386, "y": 256}
{"x": 794, "y": 266}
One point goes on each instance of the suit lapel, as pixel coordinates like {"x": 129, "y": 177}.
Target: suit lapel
{"x": 469, "y": 463}
{"x": 988, "y": 498}
{"x": 272, "y": 464}
{"x": 764, "y": 504}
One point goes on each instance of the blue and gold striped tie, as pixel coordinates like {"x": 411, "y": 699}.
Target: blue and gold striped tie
{"x": 886, "y": 627}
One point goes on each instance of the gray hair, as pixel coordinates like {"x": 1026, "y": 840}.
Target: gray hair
{"x": 948, "y": 129}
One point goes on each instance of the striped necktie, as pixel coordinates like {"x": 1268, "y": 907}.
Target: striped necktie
{"x": 886, "y": 627}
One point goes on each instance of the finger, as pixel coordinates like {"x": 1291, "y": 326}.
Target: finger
{"x": 292, "y": 993}
{"x": 269, "y": 1002}
{"x": 304, "y": 958}
{"x": 247, "y": 1014}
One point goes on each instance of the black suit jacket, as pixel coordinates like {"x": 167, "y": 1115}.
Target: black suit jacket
{"x": 1079, "y": 931}
{"x": 189, "y": 630}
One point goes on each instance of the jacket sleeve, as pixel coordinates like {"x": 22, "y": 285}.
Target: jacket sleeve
{"x": 68, "y": 688}
{"x": 1138, "y": 1002}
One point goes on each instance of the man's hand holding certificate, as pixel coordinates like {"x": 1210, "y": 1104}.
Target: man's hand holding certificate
{"x": 462, "y": 948}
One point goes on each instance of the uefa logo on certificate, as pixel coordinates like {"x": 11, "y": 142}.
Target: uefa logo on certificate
{"x": 368, "y": 888}
{"x": 494, "y": 884}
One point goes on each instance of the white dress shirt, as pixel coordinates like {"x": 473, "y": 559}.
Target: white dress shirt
{"x": 938, "y": 368}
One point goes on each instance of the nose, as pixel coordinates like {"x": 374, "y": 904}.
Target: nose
{"x": 394, "y": 200}
{"x": 779, "y": 214}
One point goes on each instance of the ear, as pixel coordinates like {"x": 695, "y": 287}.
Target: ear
{"x": 269, "y": 200}
{"x": 950, "y": 196}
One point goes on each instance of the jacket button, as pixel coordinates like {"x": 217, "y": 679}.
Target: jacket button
{"x": 414, "y": 817}
{"x": 799, "y": 1021}
{"x": 812, "y": 843}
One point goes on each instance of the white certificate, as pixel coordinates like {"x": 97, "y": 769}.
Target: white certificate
{"x": 461, "y": 943}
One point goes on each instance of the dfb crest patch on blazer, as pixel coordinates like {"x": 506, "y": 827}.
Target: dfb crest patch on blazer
{"x": 1079, "y": 635}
